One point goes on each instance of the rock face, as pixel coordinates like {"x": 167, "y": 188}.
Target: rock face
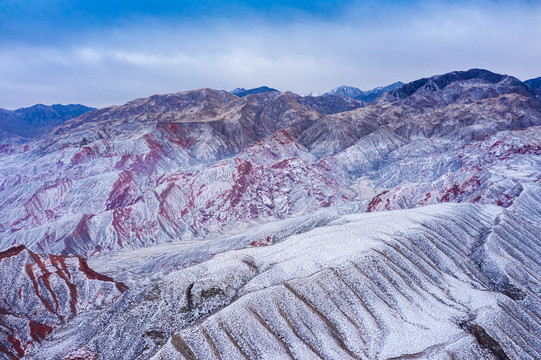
{"x": 31, "y": 122}
{"x": 160, "y": 191}
{"x": 40, "y": 293}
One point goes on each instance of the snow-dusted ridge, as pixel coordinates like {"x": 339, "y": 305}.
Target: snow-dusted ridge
{"x": 422, "y": 283}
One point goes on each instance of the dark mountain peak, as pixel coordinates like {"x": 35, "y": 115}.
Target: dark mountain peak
{"x": 37, "y": 119}
{"x": 59, "y": 108}
{"x": 241, "y": 92}
{"x": 534, "y": 83}
{"x": 439, "y": 82}
{"x": 442, "y": 81}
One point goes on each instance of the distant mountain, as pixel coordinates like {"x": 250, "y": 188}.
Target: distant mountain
{"x": 241, "y": 92}
{"x": 535, "y": 83}
{"x": 359, "y": 94}
{"x": 7, "y": 119}
{"x": 35, "y": 120}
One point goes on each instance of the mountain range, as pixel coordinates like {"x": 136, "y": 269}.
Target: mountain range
{"x": 209, "y": 225}
{"x": 349, "y": 91}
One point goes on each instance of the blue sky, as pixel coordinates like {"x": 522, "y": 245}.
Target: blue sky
{"x": 108, "y": 52}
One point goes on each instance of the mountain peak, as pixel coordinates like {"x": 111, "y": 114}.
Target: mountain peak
{"x": 359, "y": 94}
{"x": 349, "y": 91}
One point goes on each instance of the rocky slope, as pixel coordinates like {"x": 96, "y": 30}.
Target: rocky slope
{"x": 40, "y": 293}
{"x": 150, "y": 189}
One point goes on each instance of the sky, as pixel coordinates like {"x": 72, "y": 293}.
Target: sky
{"x": 105, "y": 52}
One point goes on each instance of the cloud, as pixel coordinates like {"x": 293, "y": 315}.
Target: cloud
{"x": 360, "y": 45}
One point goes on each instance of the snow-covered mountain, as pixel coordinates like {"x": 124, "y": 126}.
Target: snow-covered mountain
{"x": 366, "y": 96}
{"x": 279, "y": 226}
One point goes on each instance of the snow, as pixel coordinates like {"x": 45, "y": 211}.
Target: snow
{"x": 275, "y": 225}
